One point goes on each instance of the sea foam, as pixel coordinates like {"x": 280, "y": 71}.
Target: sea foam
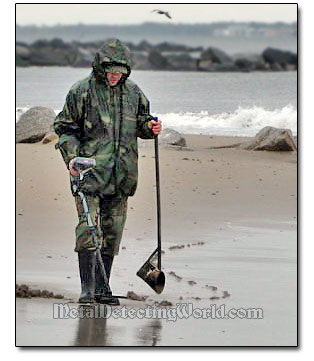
{"x": 241, "y": 122}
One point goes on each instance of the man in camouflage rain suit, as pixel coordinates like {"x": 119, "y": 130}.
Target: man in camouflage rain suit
{"x": 101, "y": 119}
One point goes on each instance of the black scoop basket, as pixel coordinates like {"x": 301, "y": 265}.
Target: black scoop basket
{"x": 151, "y": 272}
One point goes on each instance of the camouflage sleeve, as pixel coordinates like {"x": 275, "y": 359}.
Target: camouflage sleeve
{"x": 67, "y": 127}
{"x": 143, "y": 117}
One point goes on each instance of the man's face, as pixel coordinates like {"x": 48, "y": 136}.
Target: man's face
{"x": 113, "y": 78}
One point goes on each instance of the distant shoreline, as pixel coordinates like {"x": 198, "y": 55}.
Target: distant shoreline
{"x": 162, "y": 56}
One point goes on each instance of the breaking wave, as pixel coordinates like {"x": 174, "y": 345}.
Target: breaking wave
{"x": 241, "y": 122}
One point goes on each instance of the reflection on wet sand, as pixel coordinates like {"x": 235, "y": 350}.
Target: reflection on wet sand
{"x": 94, "y": 329}
{"x": 151, "y": 334}
{"x": 91, "y": 330}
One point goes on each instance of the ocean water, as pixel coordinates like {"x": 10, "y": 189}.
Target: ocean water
{"x": 237, "y": 104}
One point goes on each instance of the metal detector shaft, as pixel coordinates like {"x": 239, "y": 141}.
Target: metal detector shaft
{"x": 83, "y": 165}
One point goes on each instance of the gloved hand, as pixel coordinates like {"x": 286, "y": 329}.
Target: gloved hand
{"x": 72, "y": 171}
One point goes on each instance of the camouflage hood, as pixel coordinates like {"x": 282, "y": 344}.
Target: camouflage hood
{"x": 112, "y": 52}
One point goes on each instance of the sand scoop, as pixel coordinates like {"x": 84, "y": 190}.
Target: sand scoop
{"x": 151, "y": 272}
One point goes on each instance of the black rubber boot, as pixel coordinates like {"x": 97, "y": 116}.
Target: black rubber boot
{"x": 103, "y": 292}
{"x": 102, "y": 283}
{"x": 87, "y": 264}
{"x": 107, "y": 261}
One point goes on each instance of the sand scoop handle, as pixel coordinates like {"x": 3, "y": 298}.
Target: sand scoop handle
{"x": 149, "y": 273}
{"x": 158, "y": 201}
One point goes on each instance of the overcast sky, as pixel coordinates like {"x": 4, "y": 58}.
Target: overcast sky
{"x": 52, "y": 14}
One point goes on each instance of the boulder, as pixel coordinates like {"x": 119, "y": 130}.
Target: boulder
{"x": 49, "y": 56}
{"x": 273, "y": 56}
{"x": 34, "y": 124}
{"x": 182, "y": 62}
{"x": 158, "y": 61}
{"x": 244, "y": 64}
{"x": 22, "y": 50}
{"x": 270, "y": 138}
{"x": 276, "y": 67}
{"x": 171, "y": 137}
{"x": 140, "y": 59}
{"x": 144, "y": 46}
{"x": 50, "y": 136}
{"x": 22, "y": 53}
{"x": 54, "y": 52}
{"x": 82, "y": 57}
{"x": 207, "y": 65}
{"x": 215, "y": 55}
{"x": 213, "y": 59}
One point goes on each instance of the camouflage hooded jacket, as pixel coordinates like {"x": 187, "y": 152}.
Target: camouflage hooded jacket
{"x": 104, "y": 122}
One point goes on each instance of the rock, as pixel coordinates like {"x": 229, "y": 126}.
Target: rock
{"x": 191, "y": 283}
{"x": 50, "y": 136}
{"x": 244, "y": 64}
{"x": 276, "y": 67}
{"x": 59, "y": 297}
{"x": 82, "y": 56}
{"x": 171, "y": 137}
{"x": 282, "y": 58}
{"x": 182, "y": 62}
{"x": 144, "y": 46}
{"x": 133, "y": 296}
{"x": 163, "y": 303}
{"x": 213, "y": 59}
{"x": 22, "y": 53}
{"x": 24, "y": 291}
{"x": 35, "y": 293}
{"x": 34, "y": 124}
{"x": 53, "y": 52}
{"x": 22, "y": 50}
{"x": 46, "y": 294}
{"x": 141, "y": 61}
{"x": 172, "y": 47}
{"x": 207, "y": 65}
{"x": 250, "y": 61}
{"x": 158, "y": 61}
{"x": 215, "y": 55}
{"x": 272, "y": 139}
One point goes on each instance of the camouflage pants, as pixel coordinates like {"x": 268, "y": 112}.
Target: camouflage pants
{"x": 108, "y": 215}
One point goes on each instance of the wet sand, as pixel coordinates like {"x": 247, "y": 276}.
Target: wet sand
{"x": 233, "y": 210}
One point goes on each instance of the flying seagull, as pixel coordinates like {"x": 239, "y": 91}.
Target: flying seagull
{"x": 163, "y": 13}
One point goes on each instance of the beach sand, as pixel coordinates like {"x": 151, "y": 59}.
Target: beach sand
{"x": 235, "y": 212}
